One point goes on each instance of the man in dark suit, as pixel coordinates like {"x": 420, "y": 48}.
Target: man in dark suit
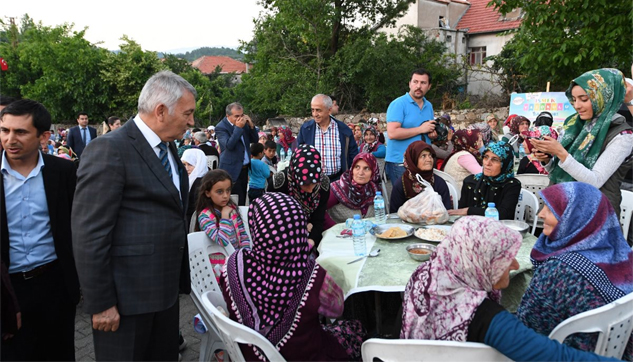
{"x": 131, "y": 241}
{"x": 81, "y": 135}
{"x": 36, "y": 195}
{"x": 235, "y": 134}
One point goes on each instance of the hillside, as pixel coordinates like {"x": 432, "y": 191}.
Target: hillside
{"x": 197, "y": 53}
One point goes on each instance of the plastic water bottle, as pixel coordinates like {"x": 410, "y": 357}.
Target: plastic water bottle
{"x": 379, "y": 208}
{"x": 521, "y": 151}
{"x": 492, "y": 211}
{"x": 358, "y": 236}
{"x": 282, "y": 155}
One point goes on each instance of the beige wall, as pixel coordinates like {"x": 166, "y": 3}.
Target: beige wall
{"x": 482, "y": 83}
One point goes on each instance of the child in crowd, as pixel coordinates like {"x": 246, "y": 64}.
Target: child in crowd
{"x": 218, "y": 216}
{"x": 257, "y": 173}
{"x": 263, "y": 137}
{"x": 270, "y": 154}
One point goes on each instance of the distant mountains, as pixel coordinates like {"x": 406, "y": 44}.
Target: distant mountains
{"x": 197, "y": 53}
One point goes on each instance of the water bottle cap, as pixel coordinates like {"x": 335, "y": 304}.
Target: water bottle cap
{"x": 378, "y": 193}
{"x": 491, "y": 204}
{"x": 356, "y": 217}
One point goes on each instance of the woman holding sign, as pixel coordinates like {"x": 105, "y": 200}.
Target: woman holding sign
{"x": 597, "y": 144}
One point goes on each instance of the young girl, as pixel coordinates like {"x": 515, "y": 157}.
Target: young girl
{"x": 218, "y": 216}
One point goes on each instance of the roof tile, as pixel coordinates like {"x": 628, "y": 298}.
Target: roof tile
{"x": 207, "y": 64}
{"x": 481, "y": 19}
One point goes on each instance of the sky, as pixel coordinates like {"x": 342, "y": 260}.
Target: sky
{"x": 160, "y": 26}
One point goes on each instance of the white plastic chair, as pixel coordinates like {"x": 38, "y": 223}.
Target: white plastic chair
{"x": 613, "y": 322}
{"x": 527, "y": 199}
{"x": 233, "y": 333}
{"x": 449, "y": 180}
{"x": 213, "y": 162}
{"x": 427, "y": 350}
{"x": 626, "y": 210}
{"x": 454, "y": 196}
{"x": 235, "y": 198}
{"x": 534, "y": 183}
{"x": 202, "y": 281}
{"x": 244, "y": 216}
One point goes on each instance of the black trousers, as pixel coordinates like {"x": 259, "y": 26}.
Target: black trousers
{"x": 48, "y": 319}
{"x": 254, "y": 194}
{"x": 240, "y": 186}
{"x": 141, "y": 337}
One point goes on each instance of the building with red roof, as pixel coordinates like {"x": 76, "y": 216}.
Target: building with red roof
{"x": 207, "y": 65}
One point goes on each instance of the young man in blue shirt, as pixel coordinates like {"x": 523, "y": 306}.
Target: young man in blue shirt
{"x": 410, "y": 118}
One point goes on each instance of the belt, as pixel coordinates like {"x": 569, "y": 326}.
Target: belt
{"x": 36, "y": 272}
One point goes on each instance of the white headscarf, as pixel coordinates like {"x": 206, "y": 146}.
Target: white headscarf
{"x": 196, "y": 157}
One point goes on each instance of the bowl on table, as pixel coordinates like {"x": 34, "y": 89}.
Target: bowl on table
{"x": 420, "y": 252}
{"x": 516, "y": 225}
{"x": 403, "y": 231}
{"x": 432, "y": 233}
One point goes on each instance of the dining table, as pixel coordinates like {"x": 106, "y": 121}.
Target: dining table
{"x": 391, "y": 269}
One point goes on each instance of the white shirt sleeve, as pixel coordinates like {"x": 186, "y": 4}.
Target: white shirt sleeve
{"x": 609, "y": 161}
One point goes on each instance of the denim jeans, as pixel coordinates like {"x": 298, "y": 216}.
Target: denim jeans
{"x": 393, "y": 170}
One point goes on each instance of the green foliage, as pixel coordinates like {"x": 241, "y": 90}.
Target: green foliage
{"x": 560, "y": 39}
{"x": 197, "y": 53}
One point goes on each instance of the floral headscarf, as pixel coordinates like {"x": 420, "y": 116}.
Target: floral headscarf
{"x": 353, "y": 195}
{"x": 486, "y": 184}
{"x": 267, "y": 283}
{"x": 370, "y": 147}
{"x": 288, "y": 138}
{"x": 465, "y": 140}
{"x": 484, "y": 130}
{"x": 198, "y": 160}
{"x": 410, "y": 183}
{"x": 583, "y": 139}
{"x": 305, "y": 169}
{"x": 588, "y": 238}
{"x": 442, "y": 295}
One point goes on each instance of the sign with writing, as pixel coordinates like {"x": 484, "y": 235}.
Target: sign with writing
{"x": 530, "y": 105}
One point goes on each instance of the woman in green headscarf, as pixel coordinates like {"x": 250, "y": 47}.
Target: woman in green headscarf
{"x": 597, "y": 143}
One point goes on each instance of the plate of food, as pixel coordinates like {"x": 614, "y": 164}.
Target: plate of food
{"x": 392, "y": 232}
{"x": 435, "y": 233}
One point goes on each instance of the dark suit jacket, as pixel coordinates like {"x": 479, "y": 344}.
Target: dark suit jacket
{"x": 129, "y": 228}
{"x": 231, "y": 146}
{"x": 74, "y": 140}
{"x": 59, "y": 184}
{"x": 209, "y": 150}
{"x": 349, "y": 148}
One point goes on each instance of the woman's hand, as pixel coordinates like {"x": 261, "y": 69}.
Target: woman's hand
{"x": 450, "y": 135}
{"x": 551, "y": 146}
{"x": 459, "y": 212}
{"x": 544, "y": 158}
{"x": 309, "y": 227}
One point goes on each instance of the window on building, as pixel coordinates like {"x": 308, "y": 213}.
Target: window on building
{"x": 477, "y": 55}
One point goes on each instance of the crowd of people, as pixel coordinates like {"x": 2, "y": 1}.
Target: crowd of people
{"x": 113, "y": 224}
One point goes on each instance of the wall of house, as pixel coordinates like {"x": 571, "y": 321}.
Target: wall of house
{"x": 482, "y": 83}
{"x": 455, "y": 12}
{"x": 455, "y": 40}
{"x": 429, "y": 13}
{"x": 409, "y": 18}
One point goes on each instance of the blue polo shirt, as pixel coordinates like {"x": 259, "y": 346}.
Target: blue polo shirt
{"x": 406, "y": 111}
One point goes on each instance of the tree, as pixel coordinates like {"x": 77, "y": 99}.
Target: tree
{"x": 560, "y": 39}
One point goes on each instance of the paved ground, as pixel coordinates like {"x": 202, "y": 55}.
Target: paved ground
{"x": 84, "y": 349}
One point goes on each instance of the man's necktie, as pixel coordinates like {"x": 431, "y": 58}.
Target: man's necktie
{"x": 83, "y": 135}
{"x": 164, "y": 157}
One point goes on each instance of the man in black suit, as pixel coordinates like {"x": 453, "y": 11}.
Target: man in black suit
{"x": 130, "y": 242}
{"x": 81, "y": 135}
{"x": 35, "y": 207}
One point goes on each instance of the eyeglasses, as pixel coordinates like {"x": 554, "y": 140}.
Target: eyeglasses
{"x": 492, "y": 159}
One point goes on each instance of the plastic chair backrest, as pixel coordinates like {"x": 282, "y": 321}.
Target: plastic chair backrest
{"x": 534, "y": 183}
{"x": 527, "y": 199}
{"x": 454, "y": 196}
{"x": 244, "y": 216}
{"x": 613, "y": 322}
{"x": 235, "y": 198}
{"x": 202, "y": 276}
{"x": 449, "y": 180}
{"x": 213, "y": 162}
{"x": 233, "y": 333}
{"x": 626, "y": 210}
{"x": 427, "y": 350}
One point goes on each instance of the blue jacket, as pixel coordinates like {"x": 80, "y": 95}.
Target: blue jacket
{"x": 231, "y": 146}
{"x": 349, "y": 148}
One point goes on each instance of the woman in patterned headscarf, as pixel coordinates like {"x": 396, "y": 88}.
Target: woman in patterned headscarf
{"x": 372, "y": 144}
{"x": 495, "y": 184}
{"x": 455, "y": 295}
{"x": 466, "y": 158}
{"x": 518, "y": 125}
{"x": 305, "y": 181}
{"x": 354, "y": 192}
{"x": 581, "y": 261}
{"x": 419, "y": 159}
{"x": 597, "y": 143}
{"x": 278, "y": 290}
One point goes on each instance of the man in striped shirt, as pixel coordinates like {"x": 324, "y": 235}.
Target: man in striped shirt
{"x": 331, "y": 137}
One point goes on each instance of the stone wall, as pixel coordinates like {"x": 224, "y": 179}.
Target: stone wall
{"x": 460, "y": 118}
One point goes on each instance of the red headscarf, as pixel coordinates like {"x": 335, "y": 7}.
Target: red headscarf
{"x": 288, "y": 138}
{"x": 410, "y": 183}
{"x": 465, "y": 140}
{"x": 356, "y": 196}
